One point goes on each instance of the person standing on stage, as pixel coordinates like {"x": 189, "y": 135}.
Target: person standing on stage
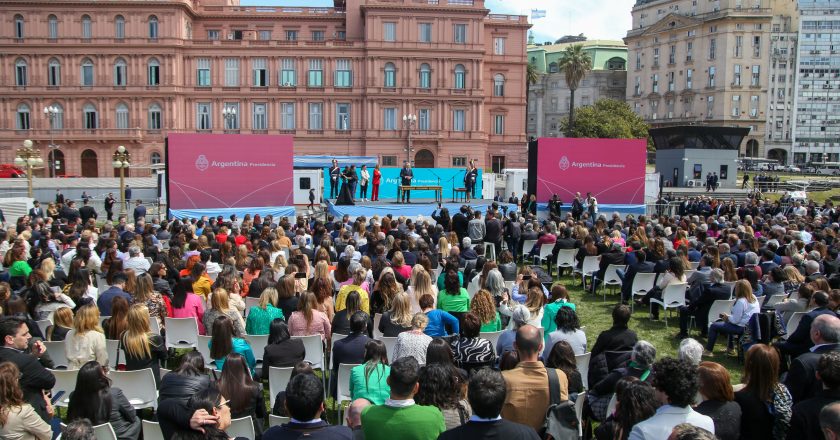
{"x": 577, "y": 207}
{"x": 352, "y": 181}
{"x": 363, "y": 180}
{"x": 473, "y": 178}
{"x": 127, "y": 199}
{"x": 335, "y": 172}
{"x": 377, "y": 177}
{"x": 592, "y": 206}
{"x": 467, "y": 179}
{"x": 109, "y": 206}
{"x": 405, "y": 177}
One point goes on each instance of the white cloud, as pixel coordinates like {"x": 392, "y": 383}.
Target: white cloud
{"x": 597, "y": 19}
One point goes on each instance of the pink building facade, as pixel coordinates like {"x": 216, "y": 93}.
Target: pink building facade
{"x": 339, "y": 79}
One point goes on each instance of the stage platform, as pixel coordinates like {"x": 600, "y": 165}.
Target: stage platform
{"x": 417, "y": 207}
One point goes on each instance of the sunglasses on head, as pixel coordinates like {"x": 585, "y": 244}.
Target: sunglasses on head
{"x": 223, "y": 403}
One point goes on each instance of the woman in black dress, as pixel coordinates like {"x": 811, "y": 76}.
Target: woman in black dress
{"x": 344, "y": 196}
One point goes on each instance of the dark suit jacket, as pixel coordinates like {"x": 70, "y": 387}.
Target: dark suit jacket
{"x": 314, "y": 431}
{"x": 35, "y": 215}
{"x": 34, "y": 378}
{"x": 497, "y": 430}
{"x": 805, "y": 423}
{"x": 139, "y": 212}
{"x": 800, "y": 341}
{"x": 630, "y": 275}
{"x": 460, "y": 223}
{"x": 607, "y": 258}
{"x": 87, "y": 212}
{"x": 801, "y": 379}
{"x": 106, "y": 297}
{"x": 350, "y": 350}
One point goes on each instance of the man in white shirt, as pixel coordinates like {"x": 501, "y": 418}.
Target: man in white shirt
{"x": 676, "y": 385}
{"x": 136, "y": 261}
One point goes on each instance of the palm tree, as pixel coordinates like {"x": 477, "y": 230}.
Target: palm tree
{"x": 575, "y": 63}
{"x": 531, "y": 77}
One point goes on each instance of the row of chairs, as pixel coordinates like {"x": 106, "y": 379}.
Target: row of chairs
{"x": 242, "y": 427}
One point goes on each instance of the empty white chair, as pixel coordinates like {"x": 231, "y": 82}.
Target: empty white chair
{"x": 566, "y": 259}
{"x": 57, "y": 353}
{"x": 138, "y": 386}
{"x": 203, "y": 347}
{"x": 257, "y": 343}
{"x": 181, "y": 332}
{"x": 104, "y": 432}
{"x": 314, "y": 350}
{"x": 493, "y": 337}
{"x": 250, "y": 302}
{"x": 335, "y": 337}
{"x": 545, "y": 253}
{"x": 611, "y": 278}
{"x": 672, "y": 297}
{"x": 390, "y": 343}
{"x": 775, "y": 299}
{"x": 65, "y": 380}
{"x": 343, "y": 389}
{"x": 490, "y": 251}
{"x": 590, "y": 267}
{"x": 527, "y": 245}
{"x": 278, "y": 378}
{"x": 151, "y": 431}
{"x": 242, "y": 427}
{"x": 642, "y": 284}
{"x": 277, "y": 420}
{"x": 582, "y": 361}
{"x": 579, "y": 412}
{"x": 694, "y": 265}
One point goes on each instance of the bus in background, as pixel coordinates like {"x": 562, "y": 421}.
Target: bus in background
{"x": 758, "y": 164}
{"x": 828, "y": 168}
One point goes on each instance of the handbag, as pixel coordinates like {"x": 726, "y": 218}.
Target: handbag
{"x": 561, "y": 422}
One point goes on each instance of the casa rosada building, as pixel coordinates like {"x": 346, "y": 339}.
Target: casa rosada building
{"x": 340, "y": 79}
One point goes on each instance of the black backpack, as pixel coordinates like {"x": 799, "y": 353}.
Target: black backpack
{"x": 561, "y": 422}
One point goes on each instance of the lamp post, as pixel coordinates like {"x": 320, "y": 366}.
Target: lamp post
{"x": 51, "y": 113}
{"x": 229, "y": 114}
{"x": 122, "y": 160}
{"x": 28, "y": 157}
{"x": 409, "y": 121}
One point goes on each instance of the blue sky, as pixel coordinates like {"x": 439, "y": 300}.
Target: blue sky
{"x": 597, "y": 19}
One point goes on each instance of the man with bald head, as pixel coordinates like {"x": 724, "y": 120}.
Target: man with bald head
{"x": 354, "y": 417}
{"x": 527, "y": 385}
{"x": 801, "y": 379}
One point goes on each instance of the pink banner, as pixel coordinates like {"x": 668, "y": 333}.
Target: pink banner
{"x": 613, "y": 170}
{"x": 229, "y": 171}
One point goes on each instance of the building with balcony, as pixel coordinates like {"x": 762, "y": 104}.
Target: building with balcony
{"x": 339, "y": 79}
{"x": 704, "y": 62}
{"x": 548, "y": 98}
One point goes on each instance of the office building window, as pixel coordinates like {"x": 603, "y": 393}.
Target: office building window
{"x": 343, "y": 73}
{"x": 287, "y": 115}
{"x": 231, "y": 72}
{"x": 689, "y": 51}
{"x": 710, "y": 106}
{"x": 153, "y": 27}
{"x": 204, "y": 119}
{"x": 260, "y": 68}
{"x": 21, "y": 72}
{"x": 22, "y": 120}
{"x": 499, "y": 124}
{"x": 265, "y": 35}
{"x": 86, "y": 27}
{"x": 712, "y": 48}
{"x": 52, "y": 21}
{"x": 89, "y": 114}
{"x": 342, "y": 116}
{"x": 390, "y": 75}
{"x": 155, "y": 119}
{"x": 389, "y": 31}
{"x": 291, "y": 35}
{"x": 459, "y": 161}
{"x": 19, "y": 26}
{"x": 460, "y": 77}
{"x": 460, "y": 31}
{"x": 736, "y": 70}
{"x": 120, "y": 73}
{"x": 689, "y": 78}
{"x": 754, "y": 106}
{"x": 389, "y": 119}
{"x": 288, "y": 76}
{"x": 232, "y": 118}
{"x": 712, "y": 76}
{"x": 424, "y": 120}
{"x": 87, "y": 72}
{"x": 655, "y": 83}
{"x": 425, "y": 32}
{"x": 213, "y": 34}
{"x": 203, "y": 78}
{"x": 499, "y": 45}
{"x": 756, "y": 46}
{"x": 756, "y": 76}
{"x": 316, "y": 116}
{"x": 498, "y": 85}
{"x": 153, "y": 72}
{"x": 317, "y": 35}
{"x": 425, "y": 76}
{"x": 389, "y": 161}
{"x": 739, "y": 46}
{"x": 736, "y": 106}
{"x": 459, "y": 120}
{"x": 122, "y": 120}
{"x": 316, "y": 73}
{"x": 259, "y": 119}
{"x": 54, "y": 72}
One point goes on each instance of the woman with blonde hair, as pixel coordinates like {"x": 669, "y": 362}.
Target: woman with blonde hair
{"x": 794, "y": 279}
{"x": 220, "y": 305}
{"x": 356, "y": 283}
{"x": 322, "y": 271}
{"x": 280, "y": 265}
{"x": 242, "y": 258}
{"x": 86, "y": 341}
{"x": 62, "y": 323}
{"x": 729, "y": 273}
{"x": 146, "y": 295}
{"x": 260, "y": 316}
{"x": 18, "y": 419}
{"x": 399, "y": 266}
{"x": 734, "y": 322}
{"x": 398, "y": 318}
{"x": 443, "y": 246}
{"x": 143, "y": 349}
{"x": 482, "y": 306}
{"x": 420, "y": 284}
{"x": 308, "y": 320}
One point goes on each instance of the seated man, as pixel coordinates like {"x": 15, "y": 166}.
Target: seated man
{"x": 799, "y": 341}
{"x": 699, "y": 307}
{"x": 305, "y": 404}
{"x": 804, "y": 423}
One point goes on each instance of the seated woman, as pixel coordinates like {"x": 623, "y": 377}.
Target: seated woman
{"x": 224, "y": 343}
{"x": 186, "y": 304}
{"x": 562, "y": 357}
{"x": 212, "y": 401}
{"x": 398, "y": 319}
{"x": 186, "y": 380}
{"x": 568, "y": 329}
{"x": 263, "y": 314}
{"x": 282, "y": 351}
{"x": 308, "y": 320}
{"x": 96, "y": 400}
{"x": 115, "y": 325}
{"x": 246, "y": 396}
{"x": 641, "y": 360}
{"x": 485, "y": 310}
{"x": 341, "y": 320}
{"x": 220, "y": 305}
{"x": 18, "y": 420}
{"x": 63, "y": 323}
{"x": 472, "y": 351}
{"x": 734, "y": 322}
{"x": 414, "y": 342}
{"x": 86, "y": 341}
{"x": 143, "y": 349}
{"x": 370, "y": 380}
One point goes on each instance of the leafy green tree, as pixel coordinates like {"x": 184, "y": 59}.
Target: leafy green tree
{"x": 608, "y": 118}
{"x": 575, "y": 63}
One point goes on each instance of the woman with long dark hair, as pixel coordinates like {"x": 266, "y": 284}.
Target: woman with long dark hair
{"x": 562, "y": 357}
{"x": 186, "y": 304}
{"x": 765, "y": 402}
{"x": 118, "y": 322}
{"x": 186, "y": 380}
{"x": 370, "y": 380}
{"x": 341, "y": 320}
{"x": 246, "y": 397}
{"x": 224, "y": 342}
{"x": 94, "y": 399}
{"x": 440, "y": 388}
{"x": 282, "y": 351}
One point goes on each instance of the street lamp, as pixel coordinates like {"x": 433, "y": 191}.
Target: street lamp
{"x": 229, "y": 114}
{"x": 28, "y": 157}
{"x": 52, "y": 112}
{"x": 409, "y": 121}
{"x": 122, "y": 160}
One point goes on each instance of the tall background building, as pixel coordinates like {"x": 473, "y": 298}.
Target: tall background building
{"x": 709, "y": 62}
{"x": 339, "y": 79}
{"x": 548, "y": 98}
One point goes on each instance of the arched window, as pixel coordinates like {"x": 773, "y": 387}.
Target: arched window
{"x": 87, "y": 31}
{"x": 154, "y": 72}
{"x": 87, "y": 72}
{"x": 122, "y": 116}
{"x": 390, "y": 75}
{"x": 155, "y": 158}
{"x": 58, "y": 116}
{"x": 119, "y": 27}
{"x": 120, "y": 72}
{"x": 425, "y": 76}
{"x": 499, "y": 85}
{"x": 54, "y": 72}
{"x": 153, "y": 27}
{"x": 460, "y": 77}
{"x": 21, "y": 72}
{"x": 90, "y": 117}
{"x": 18, "y": 26}
{"x": 22, "y": 120}
{"x": 52, "y": 22}
{"x": 155, "y": 119}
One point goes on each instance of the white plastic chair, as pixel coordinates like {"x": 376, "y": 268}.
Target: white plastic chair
{"x": 343, "y": 390}
{"x": 111, "y": 346}
{"x": 689, "y": 273}
{"x": 579, "y": 412}
{"x": 65, "y": 380}
{"x": 277, "y": 420}
{"x": 203, "y": 347}
{"x": 694, "y": 265}
{"x": 181, "y": 332}
{"x": 472, "y": 287}
{"x": 792, "y": 323}
{"x": 151, "y": 431}
{"x": 672, "y": 297}
{"x": 42, "y": 325}
{"x": 611, "y": 406}
{"x": 138, "y": 386}
{"x": 164, "y": 372}
{"x": 377, "y": 318}
{"x": 314, "y": 347}
{"x": 589, "y": 268}
{"x": 104, "y": 432}
{"x": 278, "y": 378}
{"x": 642, "y": 284}
{"x": 242, "y": 427}
{"x": 257, "y": 343}
{"x": 527, "y": 245}
{"x": 490, "y": 251}
{"x": 611, "y": 278}
{"x": 493, "y": 337}
{"x": 335, "y": 337}
{"x": 566, "y": 259}
{"x": 390, "y": 343}
{"x": 718, "y": 307}
{"x": 57, "y": 353}
{"x": 582, "y": 361}
{"x": 775, "y": 299}
{"x": 154, "y": 325}
{"x": 250, "y": 302}
{"x": 545, "y": 253}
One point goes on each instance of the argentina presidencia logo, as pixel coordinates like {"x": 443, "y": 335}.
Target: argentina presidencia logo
{"x": 564, "y": 163}
{"x": 201, "y": 163}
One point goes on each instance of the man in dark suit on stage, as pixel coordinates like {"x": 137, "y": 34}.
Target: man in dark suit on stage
{"x": 405, "y": 178}
{"x": 335, "y": 171}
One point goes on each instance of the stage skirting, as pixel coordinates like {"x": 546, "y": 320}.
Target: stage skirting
{"x": 411, "y": 210}
{"x": 275, "y": 211}
{"x": 603, "y": 209}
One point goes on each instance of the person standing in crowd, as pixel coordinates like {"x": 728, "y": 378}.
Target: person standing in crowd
{"x": 364, "y": 179}
{"x": 334, "y": 171}
{"x": 127, "y": 199}
{"x": 87, "y": 212}
{"x": 352, "y": 181}
{"x": 110, "y": 201}
{"x": 405, "y": 180}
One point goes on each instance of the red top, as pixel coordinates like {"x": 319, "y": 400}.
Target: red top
{"x": 377, "y": 176}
